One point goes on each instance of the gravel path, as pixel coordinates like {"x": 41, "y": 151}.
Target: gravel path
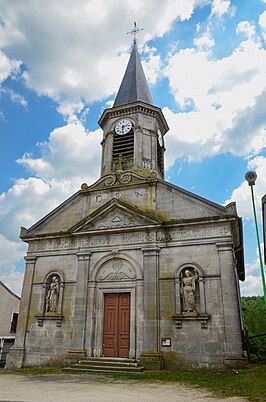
{"x": 79, "y": 388}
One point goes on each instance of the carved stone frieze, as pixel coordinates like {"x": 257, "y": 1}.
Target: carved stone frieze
{"x": 56, "y": 244}
{"x": 183, "y": 234}
{"x": 118, "y": 178}
{"x": 116, "y": 270}
{"x": 90, "y": 241}
{"x": 231, "y": 208}
{"x": 117, "y": 219}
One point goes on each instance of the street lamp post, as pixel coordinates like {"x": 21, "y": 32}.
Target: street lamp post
{"x": 251, "y": 178}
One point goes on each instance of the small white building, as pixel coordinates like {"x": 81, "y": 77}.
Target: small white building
{"x": 9, "y": 308}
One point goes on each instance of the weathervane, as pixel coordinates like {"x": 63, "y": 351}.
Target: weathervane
{"x": 134, "y": 32}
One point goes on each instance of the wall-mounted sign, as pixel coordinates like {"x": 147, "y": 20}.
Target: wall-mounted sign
{"x": 166, "y": 341}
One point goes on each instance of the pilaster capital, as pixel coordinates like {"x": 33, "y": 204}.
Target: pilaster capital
{"x": 83, "y": 255}
{"x": 149, "y": 251}
{"x": 30, "y": 259}
{"x": 224, "y": 246}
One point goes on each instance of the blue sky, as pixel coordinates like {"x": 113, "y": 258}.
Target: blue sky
{"x": 61, "y": 63}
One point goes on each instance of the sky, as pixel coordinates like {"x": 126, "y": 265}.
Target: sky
{"x": 61, "y": 64}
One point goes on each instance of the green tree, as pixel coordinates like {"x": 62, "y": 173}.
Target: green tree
{"x": 254, "y": 315}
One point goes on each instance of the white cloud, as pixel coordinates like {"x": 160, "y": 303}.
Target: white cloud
{"x": 222, "y": 100}
{"x": 71, "y": 153}
{"x": 8, "y": 67}
{"x": 181, "y": 9}
{"x": 220, "y": 7}
{"x": 8, "y": 247}
{"x": 70, "y": 157}
{"x": 78, "y": 50}
{"x": 152, "y": 68}
{"x": 262, "y": 23}
{"x": 70, "y": 109}
{"x": 242, "y": 194}
{"x": 11, "y": 252}
{"x": 204, "y": 42}
{"x": 253, "y": 281}
{"x": 14, "y": 96}
{"x": 76, "y": 53}
{"x": 251, "y": 286}
{"x": 247, "y": 28}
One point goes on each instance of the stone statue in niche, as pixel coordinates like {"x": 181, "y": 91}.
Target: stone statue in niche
{"x": 188, "y": 291}
{"x": 51, "y": 300}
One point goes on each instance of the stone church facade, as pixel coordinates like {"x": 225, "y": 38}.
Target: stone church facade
{"x": 133, "y": 266}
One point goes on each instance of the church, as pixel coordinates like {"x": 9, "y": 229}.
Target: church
{"x": 132, "y": 266}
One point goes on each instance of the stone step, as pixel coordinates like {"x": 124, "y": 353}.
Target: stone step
{"x": 105, "y": 365}
{"x": 102, "y": 370}
{"x": 108, "y": 363}
{"x": 110, "y": 359}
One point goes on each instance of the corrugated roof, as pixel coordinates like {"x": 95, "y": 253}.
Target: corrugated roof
{"x": 134, "y": 85}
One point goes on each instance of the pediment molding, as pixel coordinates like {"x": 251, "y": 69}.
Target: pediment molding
{"x": 113, "y": 215}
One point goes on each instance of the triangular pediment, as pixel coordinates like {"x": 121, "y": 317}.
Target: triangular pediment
{"x": 114, "y": 215}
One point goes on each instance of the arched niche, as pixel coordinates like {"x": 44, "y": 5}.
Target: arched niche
{"x": 190, "y": 278}
{"x": 52, "y": 297}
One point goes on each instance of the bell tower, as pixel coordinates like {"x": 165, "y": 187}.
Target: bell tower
{"x": 133, "y": 129}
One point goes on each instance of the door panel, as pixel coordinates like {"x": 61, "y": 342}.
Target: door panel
{"x": 124, "y": 325}
{"x": 116, "y": 334}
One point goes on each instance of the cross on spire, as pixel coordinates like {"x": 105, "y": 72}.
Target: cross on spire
{"x": 135, "y": 31}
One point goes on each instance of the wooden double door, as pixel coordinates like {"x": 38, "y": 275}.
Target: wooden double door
{"x": 116, "y": 331}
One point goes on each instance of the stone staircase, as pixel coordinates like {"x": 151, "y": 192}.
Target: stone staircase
{"x": 105, "y": 365}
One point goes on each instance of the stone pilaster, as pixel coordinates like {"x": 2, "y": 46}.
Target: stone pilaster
{"x": 138, "y": 147}
{"x": 16, "y": 355}
{"x": 79, "y": 320}
{"x": 232, "y": 325}
{"x": 151, "y": 356}
{"x": 107, "y": 156}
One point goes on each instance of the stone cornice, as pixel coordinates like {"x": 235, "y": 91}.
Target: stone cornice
{"x": 135, "y": 107}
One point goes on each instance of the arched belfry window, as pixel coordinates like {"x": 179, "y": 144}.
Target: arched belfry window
{"x": 52, "y": 298}
{"x": 123, "y": 145}
{"x": 190, "y": 295}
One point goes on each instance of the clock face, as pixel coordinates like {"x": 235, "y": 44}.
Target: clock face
{"x": 123, "y": 127}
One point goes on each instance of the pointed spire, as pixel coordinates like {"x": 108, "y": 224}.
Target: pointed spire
{"x": 134, "y": 85}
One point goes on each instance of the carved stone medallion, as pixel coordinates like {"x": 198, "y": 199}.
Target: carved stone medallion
{"x": 116, "y": 270}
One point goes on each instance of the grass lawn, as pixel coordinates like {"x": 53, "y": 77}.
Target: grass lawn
{"x": 249, "y": 382}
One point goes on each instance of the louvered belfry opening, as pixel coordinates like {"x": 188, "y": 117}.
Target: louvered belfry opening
{"x": 160, "y": 158}
{"x": 123, "y": 151}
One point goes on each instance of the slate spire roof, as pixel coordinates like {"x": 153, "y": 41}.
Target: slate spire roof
{"x": 134, "y": 85}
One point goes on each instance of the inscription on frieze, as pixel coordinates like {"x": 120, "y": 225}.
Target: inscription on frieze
{"x": 61, "y": 244}
{"x": 100, "y": 241}
{"x": 126, "y": 195}
{"x": 194, "y": 233}
{"x": 119, "y": 219}
{"x": 133, "y": 238}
